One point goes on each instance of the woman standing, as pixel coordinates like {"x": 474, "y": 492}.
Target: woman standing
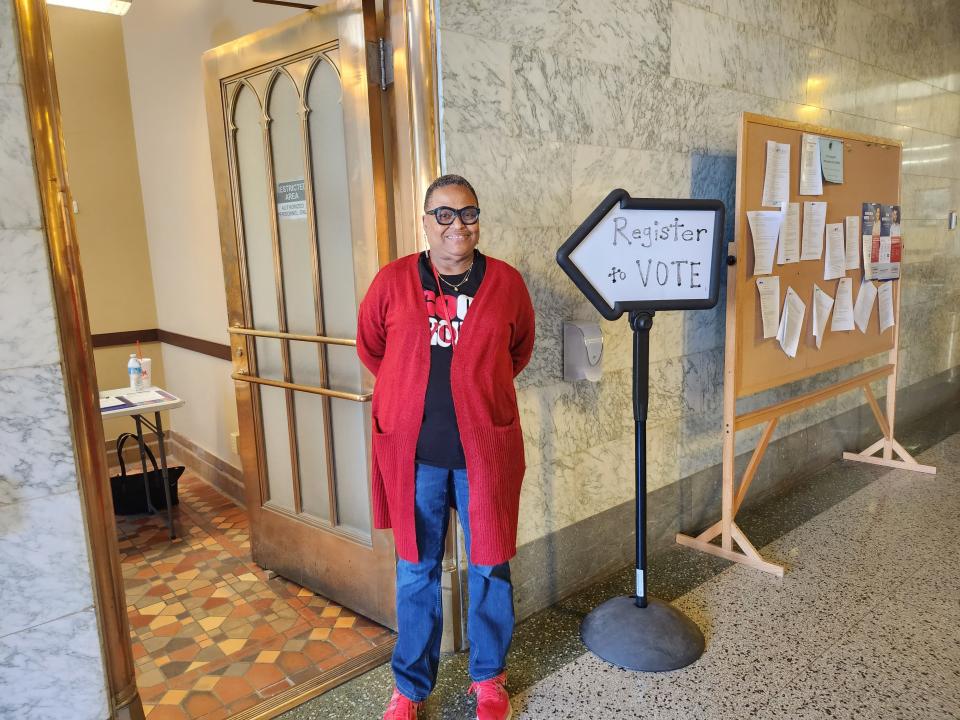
{"x": 446, "y": 433}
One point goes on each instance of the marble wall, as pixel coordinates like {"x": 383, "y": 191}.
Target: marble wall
{"x": 50, "y": 658}
{"x": 548, "y": 105}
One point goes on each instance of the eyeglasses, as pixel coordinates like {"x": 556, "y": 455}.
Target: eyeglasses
{"x": 444, "y": 215}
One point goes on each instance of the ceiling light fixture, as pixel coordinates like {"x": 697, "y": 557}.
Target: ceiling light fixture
{"x": 115, "y": 7}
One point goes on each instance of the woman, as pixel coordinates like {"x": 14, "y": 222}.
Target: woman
{"x": 446, "y": 434}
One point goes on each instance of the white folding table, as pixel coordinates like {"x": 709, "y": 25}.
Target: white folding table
{"x": 124, "y": 402}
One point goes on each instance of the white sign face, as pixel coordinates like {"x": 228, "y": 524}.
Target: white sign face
{"x": 649, "y": 255}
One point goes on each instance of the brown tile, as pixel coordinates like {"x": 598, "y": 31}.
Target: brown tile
{"x": 201, "y": 703}
{"x": 292, "y": 662}
{"x": 231, "y": 689}
{"x": 168, "y": 712}
{"x": 262, "y": 674}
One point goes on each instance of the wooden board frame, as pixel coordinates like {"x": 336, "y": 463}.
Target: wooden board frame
{"x": 742, "y": 319}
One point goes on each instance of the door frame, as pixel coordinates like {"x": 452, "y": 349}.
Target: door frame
{"x": 411, "y": 107}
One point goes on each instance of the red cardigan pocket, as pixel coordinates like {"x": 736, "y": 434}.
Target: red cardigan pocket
{"x": 499, "y": 454}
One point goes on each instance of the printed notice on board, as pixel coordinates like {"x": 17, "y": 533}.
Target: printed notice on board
{"x": 791, "y": 322}
{"x": 291, "y": 200}
{"x": 811, "y": 178}
{"x": 814, "y": 223}
{"x": 788, "y": 249}
{"x": 822, "y": 304}
{"x": 764, "y": 229}
{"x": 864, "y": 307}
{"x": 853, "y": 242}
{"x": 843, "y": 308}
{"x": 769, "y": 289}
{"x": 776, "y": 178}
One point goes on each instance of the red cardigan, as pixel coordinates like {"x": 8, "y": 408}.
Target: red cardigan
{"x": 393, "y": 341}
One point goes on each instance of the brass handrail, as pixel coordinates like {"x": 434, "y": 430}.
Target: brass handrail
{"x": 292, "y": 336}
{"x": 355, "y": 397}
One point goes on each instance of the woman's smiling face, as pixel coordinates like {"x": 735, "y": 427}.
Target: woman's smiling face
{"x": 455, "y": 242}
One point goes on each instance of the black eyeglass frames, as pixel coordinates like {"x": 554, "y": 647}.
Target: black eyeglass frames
{"x": 444, "y": 215}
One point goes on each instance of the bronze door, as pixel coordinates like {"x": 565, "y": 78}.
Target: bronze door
{"x": 297, "y": 146}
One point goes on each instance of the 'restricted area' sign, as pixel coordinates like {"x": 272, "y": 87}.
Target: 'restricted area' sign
{"x": 644, "y": 254}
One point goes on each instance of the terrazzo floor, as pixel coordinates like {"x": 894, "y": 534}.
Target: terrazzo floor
{"x": 863, "y": 625}
{"x": 213, "y": 633}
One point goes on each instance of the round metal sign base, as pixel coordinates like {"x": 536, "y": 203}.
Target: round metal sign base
{"x": 656, "y": 638}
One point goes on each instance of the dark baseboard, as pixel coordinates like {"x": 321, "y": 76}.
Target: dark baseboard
{"x": 553, "y": 567}
{"x": 216, "y": 471}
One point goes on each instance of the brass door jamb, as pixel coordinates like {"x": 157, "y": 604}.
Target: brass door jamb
{"x": 76, "y": 349}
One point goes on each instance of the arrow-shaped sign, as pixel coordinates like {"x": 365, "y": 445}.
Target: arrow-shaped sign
{"x": 647, "y": 254}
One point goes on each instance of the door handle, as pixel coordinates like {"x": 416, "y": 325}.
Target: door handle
{"x": 250, "y": 332}
{"x": 355, "y": 397}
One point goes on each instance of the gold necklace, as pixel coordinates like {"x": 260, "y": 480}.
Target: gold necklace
{"x": 466, "y": 276}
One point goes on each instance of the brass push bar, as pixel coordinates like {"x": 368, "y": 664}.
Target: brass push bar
{"x": 362, "y": 398}
{"x": 292, "y": 336}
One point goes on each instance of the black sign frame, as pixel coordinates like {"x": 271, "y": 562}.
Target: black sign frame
{"x": 622, "y": 197}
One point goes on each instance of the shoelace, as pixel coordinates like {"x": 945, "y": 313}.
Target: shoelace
{"x": 480, "y": 689}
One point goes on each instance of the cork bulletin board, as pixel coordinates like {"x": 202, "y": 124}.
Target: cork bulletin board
{"x": 871, "y": 174}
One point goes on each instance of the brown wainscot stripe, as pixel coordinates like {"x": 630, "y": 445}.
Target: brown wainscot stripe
{"x": 125, "y": 337}
{"x": 129, "y": 337}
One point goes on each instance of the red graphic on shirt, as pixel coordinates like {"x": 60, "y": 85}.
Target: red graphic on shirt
{"x": 441, "y": 332}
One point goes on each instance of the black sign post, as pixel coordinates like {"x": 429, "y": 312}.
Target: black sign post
{"x": 661, "y": 255}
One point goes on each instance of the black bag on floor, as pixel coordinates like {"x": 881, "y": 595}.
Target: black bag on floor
{"x": 127, "y": 488}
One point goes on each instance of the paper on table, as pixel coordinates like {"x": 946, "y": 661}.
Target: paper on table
{"x": 811, "y": 180}
{"x": 769, "y": 289}
{"x": 843, "y": 309}
{"x": 791, "y": 322}
{"x": 776, "y": 177}
{"x": 814, "y": 220}
{"x": 834, "y": 268}
{"x": 886, "y": 306}
{"x": 144, "y": 397}
{"x": 110, "y": 402}
{"x": 788, "y": 248}
{"x": 864, "y": 306}
{"x": 764, "y": 227}
{"x": 852, "y": 250}
{"x": 822, "y": 303}
{"x": 831, "y": 159}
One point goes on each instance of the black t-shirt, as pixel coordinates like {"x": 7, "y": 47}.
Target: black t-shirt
{"x": 439, "y": 442}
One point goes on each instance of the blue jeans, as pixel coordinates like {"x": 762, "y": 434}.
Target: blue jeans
{"x": 419, "y": 613}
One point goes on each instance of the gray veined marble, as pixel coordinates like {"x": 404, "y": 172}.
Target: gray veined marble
{"x": 44, "y": 533}
{"x": 36, "y": 451}
{"x": 53, "y": 669}
{"x": 28, "y": 333}
{"x": 9, "y": 65}
{"x": 477, "y": 84}
{"x": 19, "y": 205}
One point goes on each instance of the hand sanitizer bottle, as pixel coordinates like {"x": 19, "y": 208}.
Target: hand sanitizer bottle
{"x": 135, "y": 371}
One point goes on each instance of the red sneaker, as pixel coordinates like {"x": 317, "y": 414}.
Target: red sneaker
{"x": 493, "y": 701}
{"x": 401, "y": 708}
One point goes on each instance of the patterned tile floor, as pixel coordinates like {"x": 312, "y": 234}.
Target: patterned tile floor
{"x": 212, "y": 632}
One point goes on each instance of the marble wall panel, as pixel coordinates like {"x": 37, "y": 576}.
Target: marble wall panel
{"x": 705, "y": 47}
{"x": 36, "y": 452}
{"x": 9, "y": 66}
{"x": 28, "y": 334}
{"x": 55, "y": 669}
{"x": 43, "y": 533}
{"x": 615, "y": 32}
{"x": 524, "y": 183}
{"x": 19, "y": 204}
{"x": 477, "y": 83}
{"x": 642, "y": 173}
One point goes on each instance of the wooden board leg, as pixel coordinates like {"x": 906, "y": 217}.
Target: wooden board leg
{"x": 754, "y": 560}
{"x": 754, "y": 464}
{"x": 898, "y": 464}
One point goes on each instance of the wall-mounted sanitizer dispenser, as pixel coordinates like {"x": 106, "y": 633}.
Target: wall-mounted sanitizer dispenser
{"x": 582, "y": 351}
